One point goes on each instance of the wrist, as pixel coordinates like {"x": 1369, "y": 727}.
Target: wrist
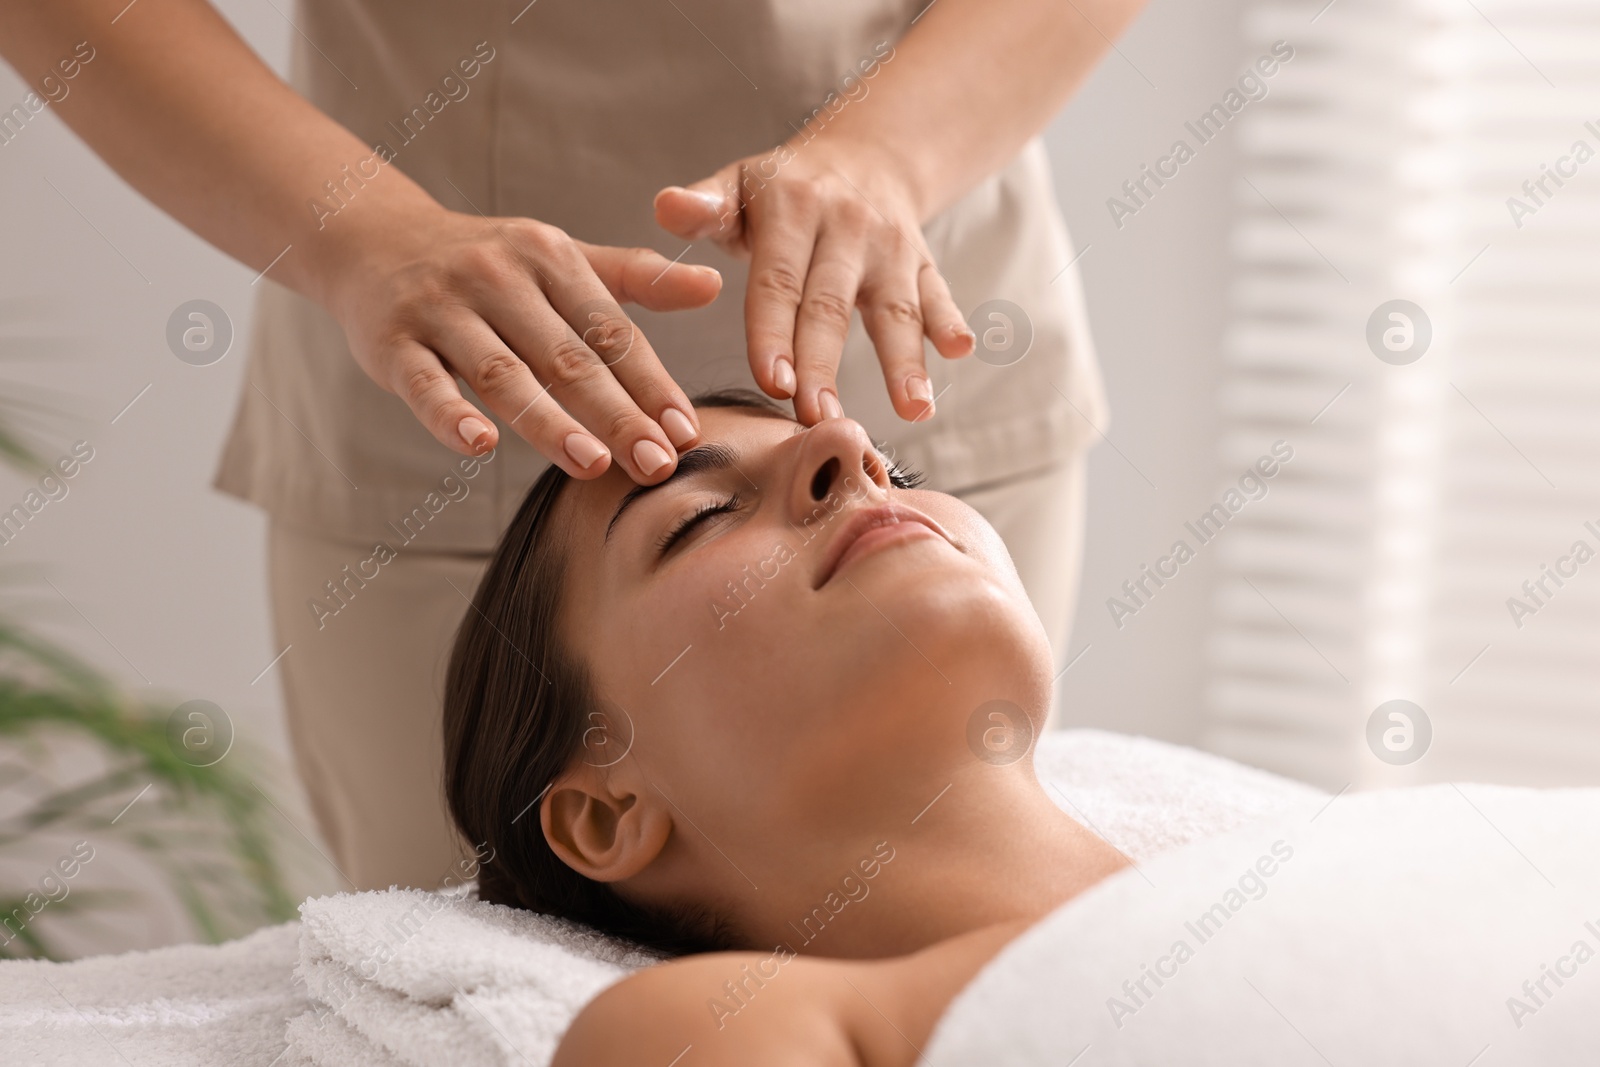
{"x": 876, "y": 165}
{"x": 352, "y": 235}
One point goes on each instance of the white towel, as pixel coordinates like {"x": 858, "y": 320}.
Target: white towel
{"x": 441, "y": 978}
{"x": 1440, "y": 924}
{"x": 170, "y": 1007}
{"x": 1146, "y": 797}
{"x": 410, "y": 979}
{"x": 318, "y": 1037}
{"x": 205, "y": 1005}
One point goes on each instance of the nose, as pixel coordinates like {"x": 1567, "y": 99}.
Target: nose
{"x": 837, "y": 465}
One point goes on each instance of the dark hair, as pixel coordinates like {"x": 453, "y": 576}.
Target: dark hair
{"x": 516, "y": 706}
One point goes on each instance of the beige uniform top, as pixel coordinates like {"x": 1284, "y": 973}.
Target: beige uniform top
{"x": 576, "y": 112}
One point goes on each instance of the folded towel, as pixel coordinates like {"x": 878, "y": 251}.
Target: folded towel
{"x": 322, "y": 1037}
{"x": 1439, "y": 924}
{"x": 442, "y": 978}
{"x": 183, "y": 1005}
{"x": 413, "y": 979}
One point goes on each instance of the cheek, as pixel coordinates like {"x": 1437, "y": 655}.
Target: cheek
{"x": 731, "y": 584}
{"x": 977, "y": 539}
{"x": 712, "y": 623}
{"x": 720, "y": 659}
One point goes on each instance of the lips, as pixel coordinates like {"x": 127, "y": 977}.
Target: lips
{"x": 860, "y": 522}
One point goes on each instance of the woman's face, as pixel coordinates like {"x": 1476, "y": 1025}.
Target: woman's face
{"x": 769, "y": 661}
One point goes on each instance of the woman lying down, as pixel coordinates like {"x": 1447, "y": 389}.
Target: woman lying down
{"x": 733, "y": 717}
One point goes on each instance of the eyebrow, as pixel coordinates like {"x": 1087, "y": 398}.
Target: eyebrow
{"x": 703, "y": 459}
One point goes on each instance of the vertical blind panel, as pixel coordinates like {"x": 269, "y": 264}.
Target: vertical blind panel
{"x": 1386, "y": 560}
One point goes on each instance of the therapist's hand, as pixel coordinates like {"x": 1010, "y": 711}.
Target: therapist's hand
{"x": 528, "y": 317}
{"x": 826, "y": 229}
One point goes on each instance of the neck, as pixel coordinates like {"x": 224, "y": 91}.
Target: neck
{"x": 992, "y": 848}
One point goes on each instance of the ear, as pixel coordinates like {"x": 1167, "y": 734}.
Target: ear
{"x": 601, "y": 824}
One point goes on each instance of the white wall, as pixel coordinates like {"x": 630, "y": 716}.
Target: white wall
{"x": 1156, "y": 291}
{"x": 168, "y": 575}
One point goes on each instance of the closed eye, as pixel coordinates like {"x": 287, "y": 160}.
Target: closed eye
{"x": 705, "y": 512}
{"x": 900, "y": 477}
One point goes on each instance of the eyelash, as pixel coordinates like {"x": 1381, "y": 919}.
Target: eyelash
{"x": 901, "y": 477}
{"x": 705, "y": 512}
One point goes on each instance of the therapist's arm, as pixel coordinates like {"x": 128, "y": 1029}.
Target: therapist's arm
{"x": 838, "y": 226}
{"x": 180, "y": 106}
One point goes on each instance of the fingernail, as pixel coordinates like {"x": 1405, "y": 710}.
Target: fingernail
{"x": 783, "y": 376}
{"x": 650, "y": 457}
{"x": 920, "y": 392}
{"x": 830, "y": 405}
{"x": 472, "y": 431}
{"x": 962, "y": 332}
{"x": 710, "y": 200}
{"x": 680, "y": 431}
{"x": 584, "y": 450}
{"x": 706, "y": 272}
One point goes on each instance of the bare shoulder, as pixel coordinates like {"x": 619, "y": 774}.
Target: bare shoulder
{"x": 735, "y": 1008}
{"x": 897, "y": 1002}
{"x": 713, "y": 1009}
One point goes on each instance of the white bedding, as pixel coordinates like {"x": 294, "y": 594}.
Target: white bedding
{"x": 175, "y": 1007}
{"x": 1397, "y": 927}
{"x": 234, "y": 1004}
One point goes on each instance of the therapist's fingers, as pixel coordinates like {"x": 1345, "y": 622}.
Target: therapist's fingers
{"x": 941, "y": 318}
{"x": 565, "y": 336}
{"x": 517, "y": 308}
{"x": 611, "y": 379}
{"x": 891, "y": 310}
{"x": 503, "y": 382}
{"x": 711, "y": 208}
{"x": 645, "y": 277}
{"x": 822, "y": 322}
{"x": 780, "y": 259}
{"x": 561, "y": 321}
{"x": 573, "y": 368}
{"x": 417, "y": 376}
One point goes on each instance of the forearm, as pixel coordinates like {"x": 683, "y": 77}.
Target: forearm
{"x": 427, "y": 298}
{"x": 971, "y": 82}
{"x": 178, "y": 105}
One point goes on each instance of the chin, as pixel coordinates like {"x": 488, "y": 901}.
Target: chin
{"x": 953, "y": 612}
